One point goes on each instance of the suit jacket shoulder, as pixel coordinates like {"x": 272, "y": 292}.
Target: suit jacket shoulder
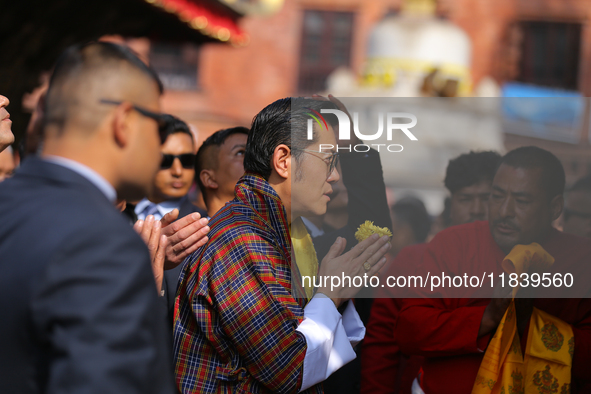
{"x": 77, "y": 283}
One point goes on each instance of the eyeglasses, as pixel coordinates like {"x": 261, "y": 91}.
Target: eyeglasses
{"x": 162, "y": 120}
{"x": 331, "y": 161}
{"x": 187, "y": 160}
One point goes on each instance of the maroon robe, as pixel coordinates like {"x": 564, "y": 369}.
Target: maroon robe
{"x": 445, "y": 330}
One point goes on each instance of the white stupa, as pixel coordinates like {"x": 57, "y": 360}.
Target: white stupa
{"x": 414, "y": 57}
{"x": 404, "y": 48}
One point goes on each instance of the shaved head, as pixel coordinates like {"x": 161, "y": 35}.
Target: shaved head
{"x": 88, "y": 73}
{"x": 103, "y": 110}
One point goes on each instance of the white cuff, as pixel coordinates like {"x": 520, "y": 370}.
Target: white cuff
{"x": 330, "y": 338}
{"x": 353, "y": 325}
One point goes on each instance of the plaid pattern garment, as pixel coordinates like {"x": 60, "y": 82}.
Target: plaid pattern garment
{"x": 235, "y": 318}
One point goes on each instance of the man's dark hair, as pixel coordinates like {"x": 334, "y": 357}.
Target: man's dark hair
{"x": 531, "y": 157}
{"x": 411, "y": 210}
{"x": 205, "y": 158}
{"x": 582, "y": 185}
{"x": 175, "y": 125}
{"x": 471, "y": 168}
{"x": 283, "y": 122}
{"x": 80, "y": 62}
{"x": 76, "y": 56}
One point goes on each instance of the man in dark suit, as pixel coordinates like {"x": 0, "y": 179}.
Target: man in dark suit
{"x": 79, "y": 303}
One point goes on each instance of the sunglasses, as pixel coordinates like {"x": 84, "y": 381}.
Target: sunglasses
{"x": 162, "y": 120}
{"x": 331, "y": 161}
{"x": 187, "y": 160}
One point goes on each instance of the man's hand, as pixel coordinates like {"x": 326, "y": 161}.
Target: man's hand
{"x": 366, "y": 258}
{"x": 184, "y": 236}
{"x": 150, "y": 230}
{"x": 495, "y": 310}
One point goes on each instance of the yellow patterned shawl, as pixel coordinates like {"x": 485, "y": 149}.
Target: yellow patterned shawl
{"x": 546, "y": 366}
{"x": 305, "y": 254}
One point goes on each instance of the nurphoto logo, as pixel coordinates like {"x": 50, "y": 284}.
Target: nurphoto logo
{"x": 391, "y": 119}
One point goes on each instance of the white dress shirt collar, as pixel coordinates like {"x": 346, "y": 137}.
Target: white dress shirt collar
{"x": 88, "y": 173}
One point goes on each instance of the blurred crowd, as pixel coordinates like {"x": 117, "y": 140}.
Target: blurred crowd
{"x": 136, "y": 261}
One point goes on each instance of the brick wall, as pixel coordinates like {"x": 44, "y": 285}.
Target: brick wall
{"x": 235, "y": 83}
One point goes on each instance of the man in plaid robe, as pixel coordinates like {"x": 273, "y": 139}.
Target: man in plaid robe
{"x": 242, "y": 322}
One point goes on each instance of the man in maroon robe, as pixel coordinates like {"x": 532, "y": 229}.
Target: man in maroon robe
{"x": 453, "y": 333}
{"x": 384, "y": 368}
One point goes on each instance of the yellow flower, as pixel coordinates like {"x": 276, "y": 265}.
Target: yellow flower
{"x": 368, "y": 228}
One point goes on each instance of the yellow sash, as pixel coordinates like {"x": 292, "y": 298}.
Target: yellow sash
{"x": 305, "y": 254}
{"x": 546, "y": 367}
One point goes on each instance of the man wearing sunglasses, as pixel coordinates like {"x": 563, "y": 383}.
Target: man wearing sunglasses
{"x": 171, "y": 185}
{"x": 175, "y": 177}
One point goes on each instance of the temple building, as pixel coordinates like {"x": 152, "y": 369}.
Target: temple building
{"x": 222, "y": 61}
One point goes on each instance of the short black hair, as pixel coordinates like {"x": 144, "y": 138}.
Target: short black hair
{"x": 411, "y": 210}
{"x": 583, "y": 185}
{"x": 175, "y": 125}
{"x": 282, "y": 122}
{"x": 87, "y": 59}
{"x": 531, "y": 157}
{"x": 76, "y": 56}
{"x": 471, "y": 168}
{"x": 213, "y": 141}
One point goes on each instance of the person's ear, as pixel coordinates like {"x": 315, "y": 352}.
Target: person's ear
{"x": 121, "y": 124}
{"x": 208, "y": 180}
{"x": 281, "y": 161}
{"x": 556, "y": 206}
